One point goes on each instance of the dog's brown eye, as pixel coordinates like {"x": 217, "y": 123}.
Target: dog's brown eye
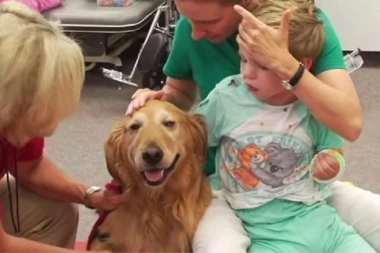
{"x": 169, "y": 123}
{"x": 135, "y": 126}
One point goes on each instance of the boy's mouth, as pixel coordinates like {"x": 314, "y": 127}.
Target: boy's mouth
{"x": 253, "y": 88}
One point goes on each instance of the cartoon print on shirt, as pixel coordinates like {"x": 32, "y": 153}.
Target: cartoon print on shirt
{"x": 250, "y": 155}
{"x": 274, "y": 166}
{"x": 280, "y": 164}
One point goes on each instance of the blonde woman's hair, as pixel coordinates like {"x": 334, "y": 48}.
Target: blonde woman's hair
{"x": 41, "y": 69}
{"x": 306, "y": 30}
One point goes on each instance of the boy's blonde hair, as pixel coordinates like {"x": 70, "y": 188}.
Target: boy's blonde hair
{"x": 306, "y": 30}
{"x": 41, "y": 69}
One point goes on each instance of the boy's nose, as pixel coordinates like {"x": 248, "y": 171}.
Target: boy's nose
{"x": 250, "y": 71}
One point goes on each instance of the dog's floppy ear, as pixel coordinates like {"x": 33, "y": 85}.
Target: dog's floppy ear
{"x": 198, "y": 132}
{"x": 112, "y": 149}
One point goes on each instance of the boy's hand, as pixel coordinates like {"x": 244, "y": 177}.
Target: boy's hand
{"x": 326, "y": 166}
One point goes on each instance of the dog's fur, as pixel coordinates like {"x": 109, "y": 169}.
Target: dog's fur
{"x": 159, "y": 218}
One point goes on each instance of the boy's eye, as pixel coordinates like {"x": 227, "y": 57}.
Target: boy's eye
{"x": 263, "y": 68}
{"x": 243, "y": 59}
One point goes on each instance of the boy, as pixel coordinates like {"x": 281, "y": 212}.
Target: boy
{"x": 274, "y": 159}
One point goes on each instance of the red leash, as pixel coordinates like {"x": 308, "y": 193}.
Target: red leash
{"x": 112, "y": 186}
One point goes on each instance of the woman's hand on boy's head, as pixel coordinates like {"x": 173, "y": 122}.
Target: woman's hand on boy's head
{"x": 266, "y": 45}
{"x": 326, "y": 166}
{"x": 253, "y": 32}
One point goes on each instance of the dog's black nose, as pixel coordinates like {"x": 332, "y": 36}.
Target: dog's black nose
{"x": 152, "y": 155}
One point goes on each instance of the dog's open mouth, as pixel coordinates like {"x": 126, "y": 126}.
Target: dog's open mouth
{"x": 155, "y": 177}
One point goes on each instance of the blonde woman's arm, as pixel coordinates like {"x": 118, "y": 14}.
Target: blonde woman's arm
{"x": 43, "y": 177}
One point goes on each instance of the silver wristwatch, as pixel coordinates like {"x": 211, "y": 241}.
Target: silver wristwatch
{"x": 86, "y": 198}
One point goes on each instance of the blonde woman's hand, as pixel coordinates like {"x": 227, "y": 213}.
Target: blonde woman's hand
{"x": 106, "y": 199}
{"x": 141, "y": 96}
{"x": 267, "y": 46}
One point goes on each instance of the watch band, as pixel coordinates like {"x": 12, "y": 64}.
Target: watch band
{"x": 297, "y": 76}
{"x": 291, "y": 84}
{"x": 89, "y": 192}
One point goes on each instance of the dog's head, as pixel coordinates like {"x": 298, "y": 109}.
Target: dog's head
{"x": 153, "y": 143}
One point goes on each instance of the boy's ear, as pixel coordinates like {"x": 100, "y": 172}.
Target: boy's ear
{"x": 307, "y": 62}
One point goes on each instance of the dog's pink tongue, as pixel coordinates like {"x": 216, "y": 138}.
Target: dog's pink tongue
{"x": 154, "y": 176}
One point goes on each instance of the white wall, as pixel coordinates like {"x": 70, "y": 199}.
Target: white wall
{"x": 357, "y": 22}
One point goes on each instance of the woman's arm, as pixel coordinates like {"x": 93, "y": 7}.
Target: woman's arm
{"x": 330, "y": 96}
{"x": 183, "y": 93}
{"x": 43, "y": 177}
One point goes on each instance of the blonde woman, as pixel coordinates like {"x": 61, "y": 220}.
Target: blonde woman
{"x": 41, "y": 76}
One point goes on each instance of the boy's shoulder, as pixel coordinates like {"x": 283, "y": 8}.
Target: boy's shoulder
{"x": 233, "y": 92}
{"x": 228, "y": 91}
{"x": 230, "y": 84}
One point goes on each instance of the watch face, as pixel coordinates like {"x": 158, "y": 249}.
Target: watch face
{"x": 287, "y": 85}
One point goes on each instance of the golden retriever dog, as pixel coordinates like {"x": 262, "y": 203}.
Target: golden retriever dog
{"x": 157, "y": 155}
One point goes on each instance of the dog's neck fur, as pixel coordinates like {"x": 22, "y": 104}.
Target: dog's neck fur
{"x": 175, "y": 198}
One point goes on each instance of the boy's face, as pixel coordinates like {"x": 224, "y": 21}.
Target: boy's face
{"x": 263, "y": 83}
{"x": 210, "y": 19}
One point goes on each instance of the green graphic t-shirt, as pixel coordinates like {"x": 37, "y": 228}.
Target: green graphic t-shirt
{"x": 264, "y": 151}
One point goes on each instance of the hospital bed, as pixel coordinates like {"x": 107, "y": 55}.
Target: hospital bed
{"x": 154, "y": 50}
{"x": 105, "y": 32}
